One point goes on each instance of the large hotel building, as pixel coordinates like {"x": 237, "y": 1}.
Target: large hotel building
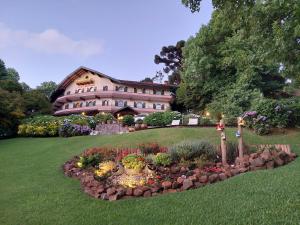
{"x": 89, "y": 91}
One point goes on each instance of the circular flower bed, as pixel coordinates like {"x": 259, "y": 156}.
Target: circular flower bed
{"x": 112, "y": 174}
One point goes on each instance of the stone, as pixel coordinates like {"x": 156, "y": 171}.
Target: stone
{"x": 198, "y": 184}
{"x": 270, "y": 165}
{"x": 147, "y": 193}
{"x": 104, "y": 196}
{"x": 243, "y": 169}
{"x": 197, "y": 172}
{"x": 175, "y": 185}
{"x": 111, "y": 191}
{"x": 129, "y": 191}
{"x": 166, "y": 184}
{"x": 278, "y": 162}
{"x": 183, "y": 169}
{"x": 234, "y": 171}
{"x": 113, "y": 197}
{"x": 175, "y": 169}
{"x": 145, "y": 188}
{"x": 253, "y": 155}
{"x": 193, "y": 178}
{"x": 203, "y": 179}
{"x": 213, "y": 178}
{"x": 137, "y": 192}
{"x": 266, "y": 155}
{"x": 155, "y": 189}
{"x": 258, "y": 162}
{"x": 121, "y": 191}
{"x": 180, "y": 180}
{"x": 187, "y": 184}
{"x": 172, "y": 190}
{"x": 222, "y": 176}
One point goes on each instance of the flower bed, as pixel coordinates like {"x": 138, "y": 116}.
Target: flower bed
{"x": 112, "y": 174}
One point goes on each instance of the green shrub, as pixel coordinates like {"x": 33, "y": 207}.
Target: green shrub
{"x": 90, "y": 160}
{"x": 149, "y": 148}
{"x": 128, "y": 120}
{"x": 163, "y": 159}
{"x": 191, "y": 149}
{"x": 169, "y": 116}
{"x": 155, "y": 119}
{"x": 104, "y": 117}
{"x": 204, "y": 121}
{"x": 133, "y": 161}
{"x": 231, "y": 151}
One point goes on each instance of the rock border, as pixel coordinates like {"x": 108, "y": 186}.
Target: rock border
{"x": 178, "y": 178}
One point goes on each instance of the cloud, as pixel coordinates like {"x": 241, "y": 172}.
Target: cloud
{"x": 50, "y": 41}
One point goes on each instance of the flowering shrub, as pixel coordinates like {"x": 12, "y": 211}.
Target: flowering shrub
{"x": 161, "y": 119}
{"x": 163, "y": 159}
{"x": 149, "y": 148}
{"x": 105, "y": 168}
{"x": 87, "y": 161}
{"x": 106, "y": 153}
{"x": 69, "y": 130}
{"x": 103, "y": 117}
{"x": 133, "y": 161}
{"x": 257, "y": 122}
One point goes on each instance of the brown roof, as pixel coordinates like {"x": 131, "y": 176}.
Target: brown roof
{"x": 79, "y": 71}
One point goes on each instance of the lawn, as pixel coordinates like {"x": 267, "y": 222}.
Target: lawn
{"x": 35, "y": 191}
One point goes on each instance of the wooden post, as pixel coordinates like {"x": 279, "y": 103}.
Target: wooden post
{"x": 240, "y": 138}
{"x": 223, "y": 143}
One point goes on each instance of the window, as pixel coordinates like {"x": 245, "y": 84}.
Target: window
{"x": 105, "y": 103}
{"x": 139, "y": 105}
{"x": 94, "y": 103}
{"x": 79, "y": 91}
{"x": 89, "y": 89}
{"x": 159, "y": 106}
{"x": 66, "y": 106}
{"x": 120, "y": 103}
{"x": 81, "y": 104}
{"x": 157, "y": 92}
{"x": 135, "y": 90}
{"x": 77, "y": 105}
{"x": 105, "y": 88}
{"x": 144, "y": 91}
{"x": 68, "y": 92}
{"x": 121, "y": 88}
{"x": 162, "y": 92}
{"x": 95, "y": 88}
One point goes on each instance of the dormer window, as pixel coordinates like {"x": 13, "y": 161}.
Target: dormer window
{"x": 68, "y": 92}
{"x": 105, "y": 88}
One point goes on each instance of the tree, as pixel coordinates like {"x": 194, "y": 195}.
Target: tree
{"x": 247, "y": 45}
{"x": 36, "y": 102}
{"x": 12, "y": 74}
{"x": 3, "y": 71}
{"x": 25, "y": 87}
{"x": 171, "y": 57}
{"x": 147, "y": 79}
{"x": 47, "y": 87}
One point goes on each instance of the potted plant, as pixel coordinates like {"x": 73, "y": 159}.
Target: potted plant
{"x": 133, "y": 164}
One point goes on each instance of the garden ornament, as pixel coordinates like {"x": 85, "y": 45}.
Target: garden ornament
{"x": 220, "y": 127}
{"x": 238, "y": 134}
{"x": 223, "y": 136}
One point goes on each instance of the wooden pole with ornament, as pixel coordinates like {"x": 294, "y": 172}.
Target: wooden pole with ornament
{"x": 221, "y": 128}
{"x": 239, "y": 135}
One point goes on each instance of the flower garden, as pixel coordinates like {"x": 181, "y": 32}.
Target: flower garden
{"x": 152, "y": 170}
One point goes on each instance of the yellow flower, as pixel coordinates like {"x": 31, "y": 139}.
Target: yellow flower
{"x": 79, "y": 164}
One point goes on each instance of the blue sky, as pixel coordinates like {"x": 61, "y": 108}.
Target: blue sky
{"x": 47, "y": 40}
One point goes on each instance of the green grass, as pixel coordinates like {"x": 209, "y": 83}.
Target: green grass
{"x": 35, "y": 191}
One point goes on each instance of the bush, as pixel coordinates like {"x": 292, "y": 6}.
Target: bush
{"x": 163, "y": 159}
{"x": 161, "y": 119}
{"x": 88, "y": 161}
{"x": 104, "y": 117}
{"x": 69, "y": 130}
{"x": 257, "y": 122}
{"x": 204, "y": 121}
{"x": 128, "y": 120}
{"x": 189, "y": 150}
{"x": 231, "y": 151}
{"x": 149, "y": 148}
{"x": 133, "y": 161}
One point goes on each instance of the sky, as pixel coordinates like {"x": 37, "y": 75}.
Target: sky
{"x": 47, "y": 40}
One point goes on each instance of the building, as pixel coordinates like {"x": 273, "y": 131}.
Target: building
{"x": 89, "y": 91}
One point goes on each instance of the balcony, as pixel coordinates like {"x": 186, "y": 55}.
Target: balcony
{"x": 98, "y": 108}
{"x": 112, "y": 94}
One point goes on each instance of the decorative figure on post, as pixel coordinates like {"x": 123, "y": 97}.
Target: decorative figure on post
{"x": 239, "y": 134}
{"x": 221, "y": 127}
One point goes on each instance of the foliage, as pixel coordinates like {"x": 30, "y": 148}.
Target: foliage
{"x": 248, "y": 49}
{"x": 12, "y": 74}
{"x": 190, "y": 116}
{"x": 149, "y": 148}
{"x": 105, "y": 168}
{"x": 36, "y": 103}
{"x": 47, "y": 87}
{"x": 161, "y": 118}
{"x": 133, "y": 161}
{"x": 104, "y": 117}
{"x": 89, "y": 161}
{"x": 128, "y": 120}
{"x": 163, "y": 159}
{"x": 191, "y": 149}
{"x": 204, "y": 121}
{"x": 171, "y": 57}
{"x": 68, "y": 129}
{"x": 258, "y": 122}
{"x": 231, "y": 151}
